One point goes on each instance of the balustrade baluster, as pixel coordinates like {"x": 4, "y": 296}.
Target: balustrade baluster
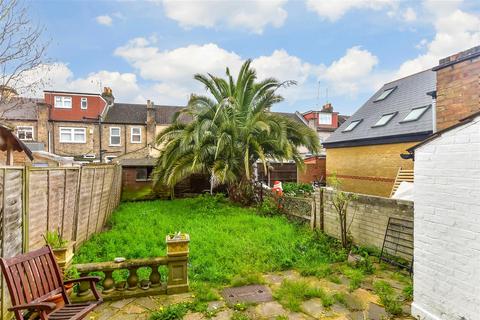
{"x": 155, "y": 277}
{"x": 84, "y": 286}
{"x": 108, "y": 282}
{"x": 132, "y": 279}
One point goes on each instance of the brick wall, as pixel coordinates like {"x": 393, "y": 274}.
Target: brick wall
{"x": 126, "y": 145}
{"x": 458, "y": 87}
{"x": 368, "y": 169}
{"x": 447, "y": 226}
{"x": 75, "y": 149}
{"x": 368, "y": 216}
{"x": 315, "y": 170}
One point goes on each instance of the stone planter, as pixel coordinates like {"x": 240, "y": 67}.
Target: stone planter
{"x": 178, "y": 247}
{"x": 64, "y": 256}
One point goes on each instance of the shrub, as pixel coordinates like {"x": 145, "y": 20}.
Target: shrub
{"x": 297, "y": 189}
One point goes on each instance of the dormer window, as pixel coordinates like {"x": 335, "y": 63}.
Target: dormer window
{"x": 385, "y": 94}
{"x": 415, "y": 114}
{"x": 325, "y": 118}
{"x": 63, "y": 102}
{"x": 84, "y": 103}
{"x": 384, "y": 119}
{"x": 352, "y": 125}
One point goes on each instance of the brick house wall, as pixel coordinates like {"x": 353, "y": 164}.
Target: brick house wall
{"x": 315, "y": 170}
{"x": 458, "y": 87}
{"x": 447, "y": 231}
{"x": 126, "y": 144}
{"x": 368, "y": 169}
{"x": 90, "y": 146}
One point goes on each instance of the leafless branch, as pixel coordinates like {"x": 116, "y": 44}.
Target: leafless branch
{"x": 22, "y": 52}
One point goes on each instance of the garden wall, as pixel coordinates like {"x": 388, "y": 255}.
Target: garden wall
{"x": 75, "y": 200}
{"x": 368, "y": 216}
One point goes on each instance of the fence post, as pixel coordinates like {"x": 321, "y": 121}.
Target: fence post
{"x": 322, "y": 209}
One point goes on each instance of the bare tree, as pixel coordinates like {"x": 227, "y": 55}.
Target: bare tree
{"x": 22, "y": 50}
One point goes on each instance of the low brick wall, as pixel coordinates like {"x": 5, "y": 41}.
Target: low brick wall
{"x": 368, "y": 216}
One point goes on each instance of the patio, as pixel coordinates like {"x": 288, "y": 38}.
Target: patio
{"x": 359, "y": 304}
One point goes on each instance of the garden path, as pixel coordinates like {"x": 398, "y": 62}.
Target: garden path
{"x": 359, "y": 304}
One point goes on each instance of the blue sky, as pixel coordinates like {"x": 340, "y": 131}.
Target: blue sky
{"x": 150, "y": 50}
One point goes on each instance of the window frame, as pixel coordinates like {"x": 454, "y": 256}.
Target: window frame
{"x": 379, "y": 97}
{"x": 148, "y": 176}
{"x": 357, "y": 122}
{"x": 63, "y": 98}
{"x": 72, "y": 134}
{"x": 425, "y": 108}
{"x": 392, "y": 114}
{"x": 119, "y": 137}
{"x": 84, "y": 99}
{"x": 132, "y": 134}
{"x": 325, "y": 113}
{"x": 30, "y": 127}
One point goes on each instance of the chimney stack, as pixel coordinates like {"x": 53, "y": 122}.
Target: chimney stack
{"x": 327, "y": 107}
{"x": 107, "y": 94}
{"x": 151, "y": 122}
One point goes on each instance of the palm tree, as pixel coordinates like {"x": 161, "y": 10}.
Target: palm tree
{"x": 229, "y": 132}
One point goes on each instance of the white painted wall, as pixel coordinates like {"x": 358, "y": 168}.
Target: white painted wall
{"x": 447, "y": 226}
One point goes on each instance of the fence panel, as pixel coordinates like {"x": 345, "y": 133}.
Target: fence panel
{"x": 11, "y": 222}
{"x": 75, "y": 200}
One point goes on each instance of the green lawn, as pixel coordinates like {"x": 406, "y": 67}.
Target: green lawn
{"x": 226, "y": 240}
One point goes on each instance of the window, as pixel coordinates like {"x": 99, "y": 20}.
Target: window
{"x": 384, "y": 94}
{"x": 109, "y": 158}
{"x": 73, "y": 135}
{"x": 115, "y": 136}
{"x": 136, "y": 135}
{"x": 415, "y": 114}
{"x": 352, "y": 125}
{"x": 144, "y": 174}
{"x": 325, "y": 118}
{"x": 63, "y": 102}
{"x": 25, "y": 133}
{"x": 384, "y": 119}
{"x": 84, "y": 103}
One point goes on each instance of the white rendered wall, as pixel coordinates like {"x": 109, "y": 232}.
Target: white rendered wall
{"x": 447, "y": 226}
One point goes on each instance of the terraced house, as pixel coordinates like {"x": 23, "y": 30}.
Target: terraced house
{"x": 364, "y": 152}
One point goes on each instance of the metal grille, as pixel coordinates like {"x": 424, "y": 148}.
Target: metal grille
{"x": 397, "y": 246}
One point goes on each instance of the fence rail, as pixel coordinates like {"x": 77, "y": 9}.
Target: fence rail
{"x": 77, "y": 201}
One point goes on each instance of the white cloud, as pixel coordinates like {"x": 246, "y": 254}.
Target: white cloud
{"x": 409, "y": 15}
{"x": 105, "y": 20}
{"x": 351, "y": 73}
{"x": 456, "y": 30}
{"x": 254, "y": 15}
{"x": 58, "y": 76}
{"x": 334, "y": 10}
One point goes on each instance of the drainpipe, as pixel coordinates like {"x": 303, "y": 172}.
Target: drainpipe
{"x": 433, "y": 94}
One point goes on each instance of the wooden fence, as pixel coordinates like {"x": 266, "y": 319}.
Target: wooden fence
{"x": 75, "y": 200}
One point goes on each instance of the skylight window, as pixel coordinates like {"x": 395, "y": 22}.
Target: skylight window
{"x": 352, "y": 125}
{"x": 415, "y": 114}
{"x": 385, "y": 119}
{"x": 385, "y": 94}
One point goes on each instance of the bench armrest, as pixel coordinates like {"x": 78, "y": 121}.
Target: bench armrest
{"x": 93, "y": 287}
{"x": 40, "y": 306}
{"x": 88, "y": 278}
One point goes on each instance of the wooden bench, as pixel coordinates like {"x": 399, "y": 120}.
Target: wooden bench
{"x": 34, "y": 277}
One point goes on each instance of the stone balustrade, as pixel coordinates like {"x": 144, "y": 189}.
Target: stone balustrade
{"x": 176, "y": 280}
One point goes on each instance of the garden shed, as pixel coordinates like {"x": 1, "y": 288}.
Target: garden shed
{"x": 447, "y": 223}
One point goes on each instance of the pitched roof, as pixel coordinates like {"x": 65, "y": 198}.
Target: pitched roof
{"x": 291, "y": 115}
{"x": 19, "y": 108}
{"x": 131, "y": 113}
{"x": 410, "y": 92}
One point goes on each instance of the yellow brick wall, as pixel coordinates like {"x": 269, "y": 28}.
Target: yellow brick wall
{"x": 368, "y": 169}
